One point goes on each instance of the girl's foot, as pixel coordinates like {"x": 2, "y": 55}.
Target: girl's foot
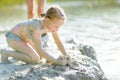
{"x": 4, "y": 57}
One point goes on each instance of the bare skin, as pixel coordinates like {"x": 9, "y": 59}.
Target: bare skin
{"x": 41, "y": 5}
{"x": 30, "y": 51}
{"x": 31, "y": 8}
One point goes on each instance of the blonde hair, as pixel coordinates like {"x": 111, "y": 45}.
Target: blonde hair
{"x": 55, "y": 12}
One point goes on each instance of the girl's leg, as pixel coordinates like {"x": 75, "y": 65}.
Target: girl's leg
{"x": 30, "y": 8}
{"x": 23, "y": 52}
{"x": 20, "y": 56}
{"x": 41, "y": 5}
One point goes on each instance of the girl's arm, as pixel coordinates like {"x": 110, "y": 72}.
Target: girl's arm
{"x": 38, "y": 48}
{"x": 59, "y": 43}
{"x": 59, "y": 61}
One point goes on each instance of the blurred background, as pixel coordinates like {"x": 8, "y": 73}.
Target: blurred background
{"x": 90, "y": 22}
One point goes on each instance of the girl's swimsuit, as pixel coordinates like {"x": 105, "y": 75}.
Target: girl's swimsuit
{"x": 12, "y": 37}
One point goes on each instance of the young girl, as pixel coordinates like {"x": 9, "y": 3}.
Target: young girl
{"x": 25, "y": 37}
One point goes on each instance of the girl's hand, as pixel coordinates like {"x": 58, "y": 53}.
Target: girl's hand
{"x": 63, "y": 60}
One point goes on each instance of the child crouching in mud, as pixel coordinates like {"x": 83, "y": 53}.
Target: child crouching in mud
{"x": 25, "y": 38}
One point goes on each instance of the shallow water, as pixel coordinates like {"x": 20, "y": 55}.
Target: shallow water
{"x": 98, "y": 27}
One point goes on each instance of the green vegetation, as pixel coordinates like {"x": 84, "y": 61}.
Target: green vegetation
{"x": 89, "y": 2}
{"x": 10, "y": 2}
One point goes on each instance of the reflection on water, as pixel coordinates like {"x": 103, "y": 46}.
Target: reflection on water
{"x": 98, "y": 27}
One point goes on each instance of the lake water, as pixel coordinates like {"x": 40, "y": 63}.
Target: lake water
{"x": 98, "y": 27}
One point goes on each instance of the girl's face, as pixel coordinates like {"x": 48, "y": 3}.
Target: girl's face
{"x": 54, "y": 25}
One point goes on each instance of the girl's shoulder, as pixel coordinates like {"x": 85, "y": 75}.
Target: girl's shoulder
{"x": 36, "y": 23}
{"x": 32, "y": 22}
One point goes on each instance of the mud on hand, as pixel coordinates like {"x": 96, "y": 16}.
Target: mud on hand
{"x": 63, "y": 60}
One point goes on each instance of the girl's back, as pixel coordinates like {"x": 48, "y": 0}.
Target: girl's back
{"x": 25, "y": 29}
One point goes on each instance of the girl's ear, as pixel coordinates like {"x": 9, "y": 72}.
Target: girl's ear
{"x": 47, "y": 21}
